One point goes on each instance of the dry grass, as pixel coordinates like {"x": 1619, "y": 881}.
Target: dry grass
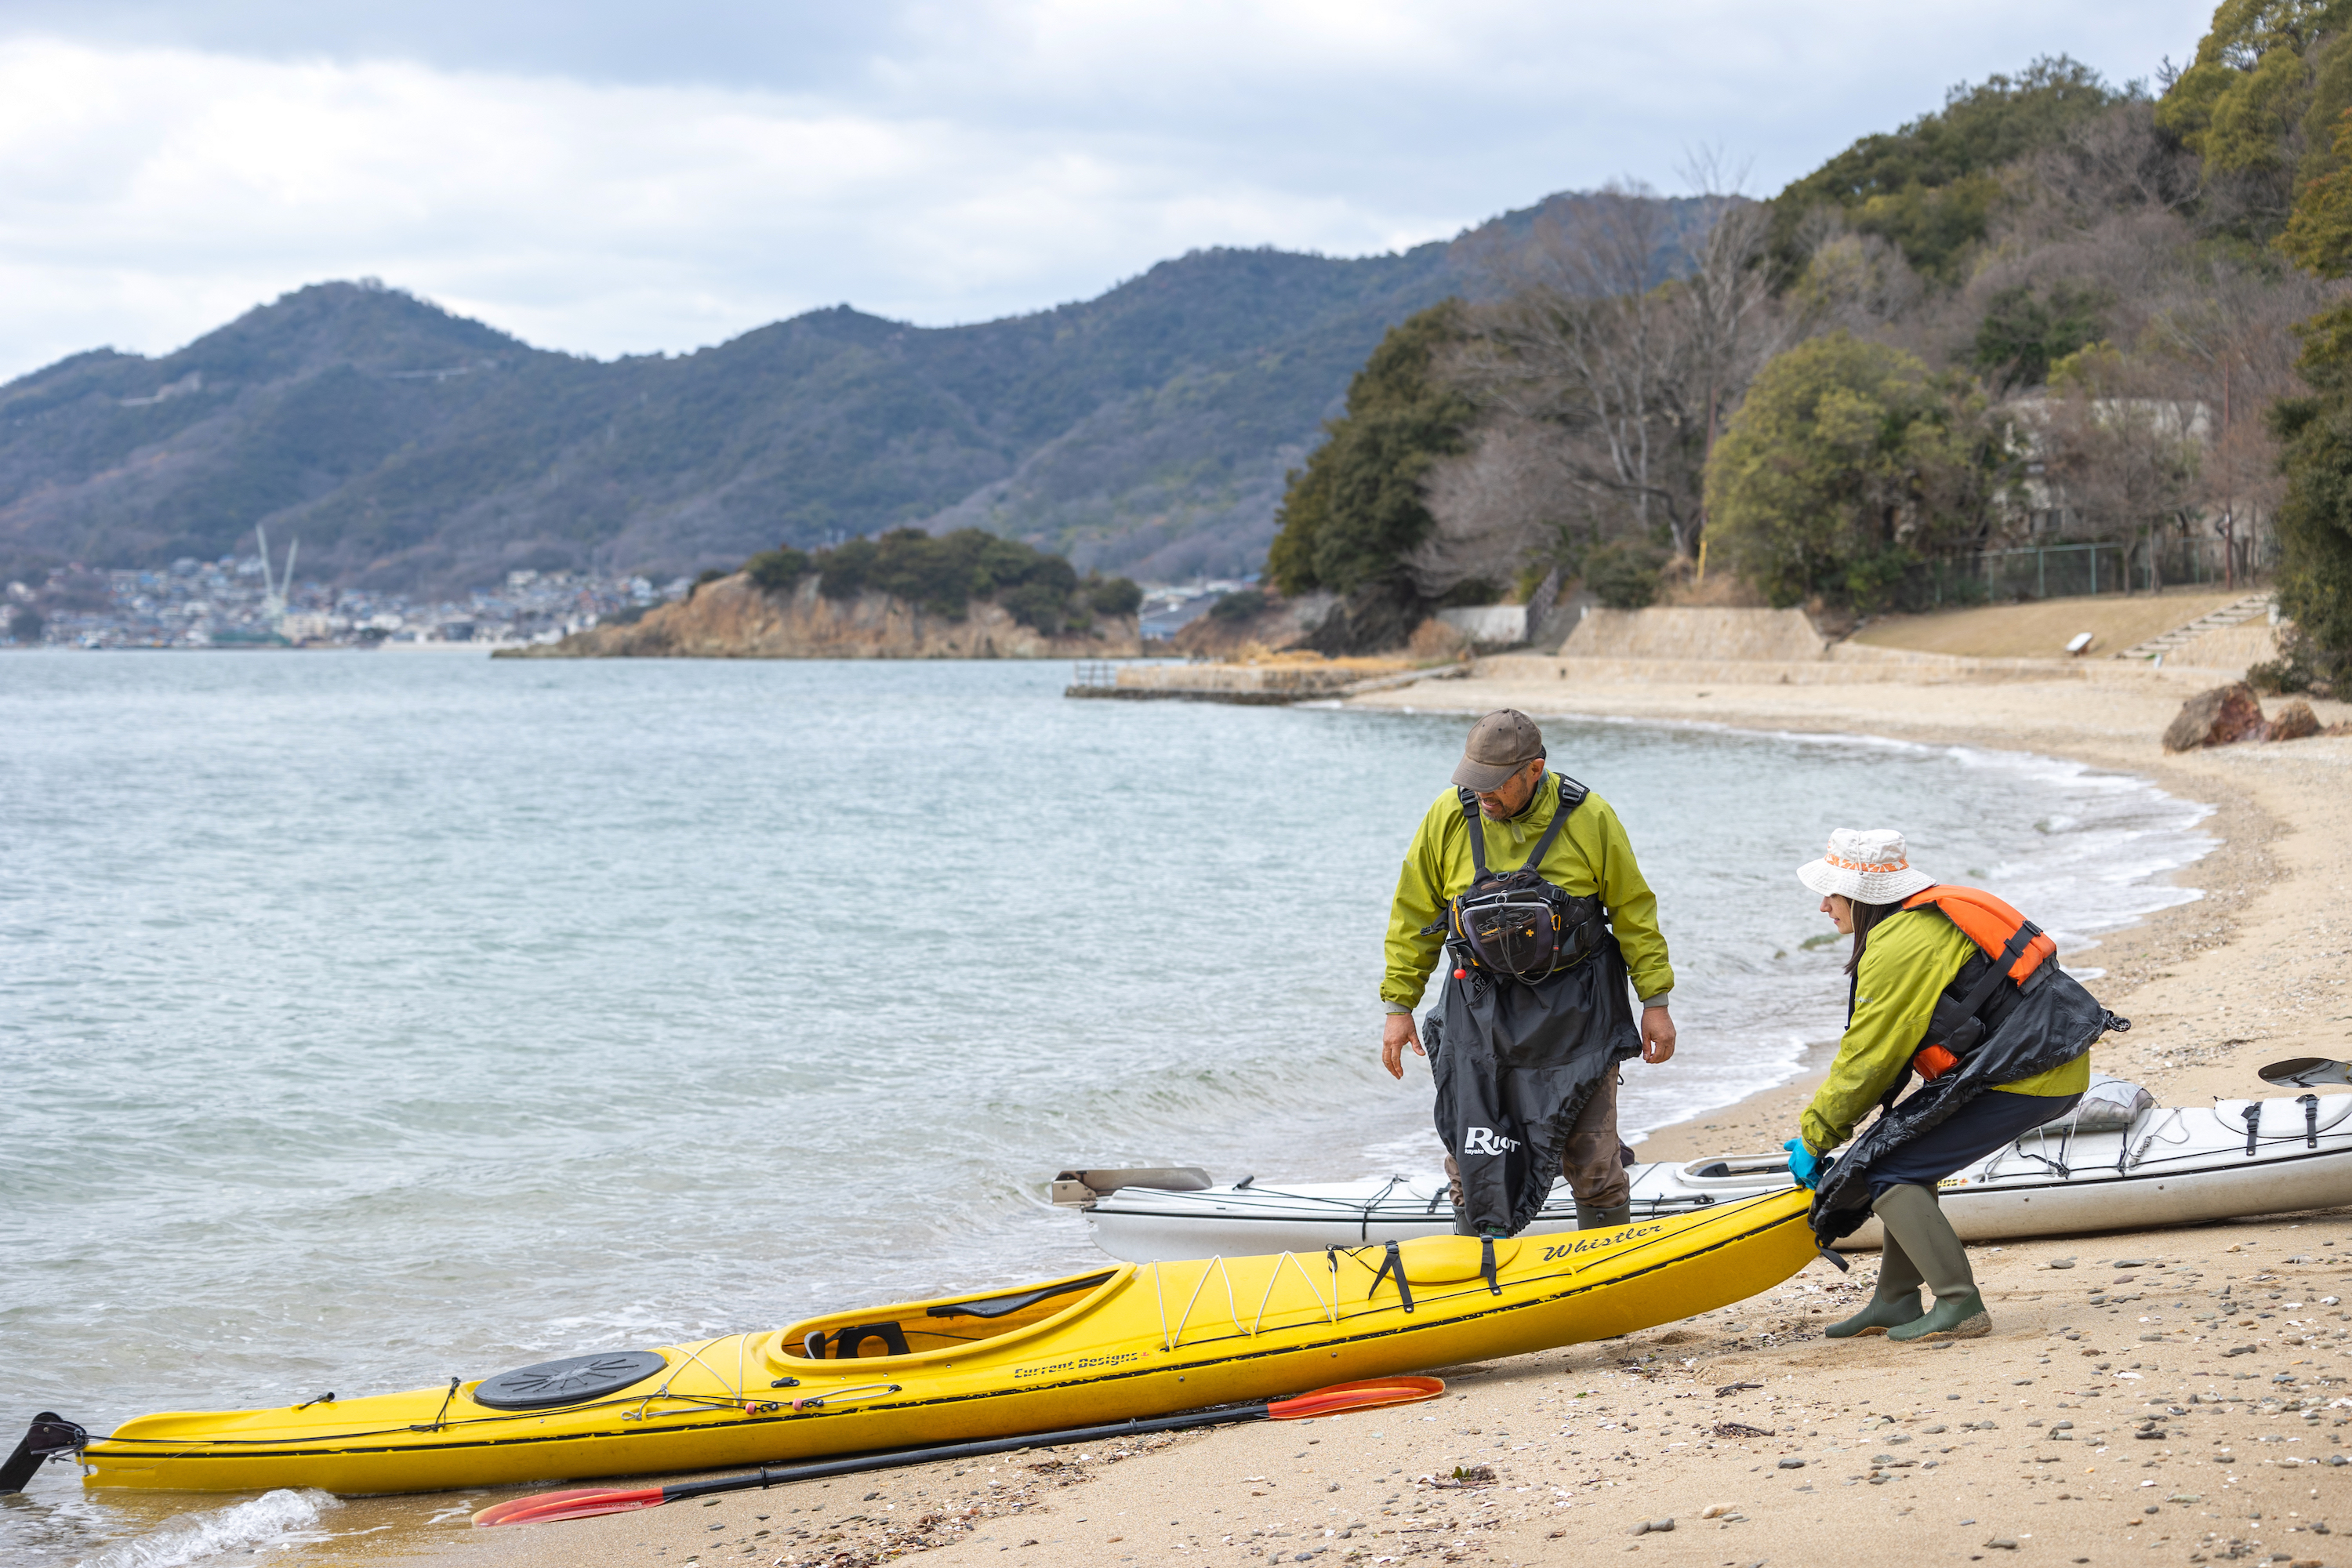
{"x": 2042, "y": 630}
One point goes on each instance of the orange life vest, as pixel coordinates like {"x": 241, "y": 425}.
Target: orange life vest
{"x": 2003, "y": 933}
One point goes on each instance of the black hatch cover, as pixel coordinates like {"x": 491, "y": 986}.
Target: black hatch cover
{"x": 572, "y": 1381}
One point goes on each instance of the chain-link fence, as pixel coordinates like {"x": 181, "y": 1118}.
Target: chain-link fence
{"x": 2071, "y": 570}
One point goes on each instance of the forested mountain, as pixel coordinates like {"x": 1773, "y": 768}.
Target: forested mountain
{"x": 1146, "y": 431}
{"x": 2054, "y": 311}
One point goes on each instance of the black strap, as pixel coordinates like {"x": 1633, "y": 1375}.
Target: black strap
{"x": 1487, "y": 1264}
{"x": 1973, "y": 1004}
{"x": 1393, "y": 1264}
{"x": 2310, "y": 1120}
{"x": 2254, "y": 1115}
{"x": 1004, "y": 1306}
{"x": 1477, "y": 834}
{"x": 1564, "y": 801}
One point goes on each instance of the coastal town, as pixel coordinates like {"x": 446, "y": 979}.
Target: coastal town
{"x": 231, "y": 602}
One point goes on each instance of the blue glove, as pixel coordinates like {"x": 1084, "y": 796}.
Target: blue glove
{"x": 1803, "y": 1163}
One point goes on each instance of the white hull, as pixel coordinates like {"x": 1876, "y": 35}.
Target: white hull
{"x": 2173, "y": 1166}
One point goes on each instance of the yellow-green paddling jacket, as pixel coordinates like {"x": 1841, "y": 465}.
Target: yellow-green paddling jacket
{"x": 1592, "y": 855}
{"x": 1907, "y": 963}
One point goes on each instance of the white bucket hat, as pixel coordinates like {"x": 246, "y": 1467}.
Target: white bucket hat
{"x": 1868, "y": 865}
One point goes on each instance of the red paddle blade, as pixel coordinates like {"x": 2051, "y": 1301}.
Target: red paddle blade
{"x": 1373, "y": 1394}
{"x": 579, "y": 1502}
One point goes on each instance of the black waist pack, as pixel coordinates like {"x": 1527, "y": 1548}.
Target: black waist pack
{"x": 1516, "y": 925}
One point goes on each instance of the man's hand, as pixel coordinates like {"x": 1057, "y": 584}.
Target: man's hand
{"x": 1657, "y": 1035}
{"x": 1398, "y": 1032}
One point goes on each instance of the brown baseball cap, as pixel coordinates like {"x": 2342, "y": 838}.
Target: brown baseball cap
{"x": 1500, "y": 744}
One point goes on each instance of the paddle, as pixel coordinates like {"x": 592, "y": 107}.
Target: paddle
{"x": 2307, "y": 1073}
{"x": 583, "y": 1503}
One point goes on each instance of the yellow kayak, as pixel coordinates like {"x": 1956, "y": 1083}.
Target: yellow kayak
{"x": 1134, "y": 1341}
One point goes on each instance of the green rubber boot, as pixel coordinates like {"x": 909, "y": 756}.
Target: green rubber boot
{"x": 1911, "y": 1218}
{"x": 1895, "y": 1301}
{"x": 1589, "y": 1219}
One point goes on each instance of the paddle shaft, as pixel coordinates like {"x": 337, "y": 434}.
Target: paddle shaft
{"x": 1337, "y": 1399}
{"x": 774, "y": 1476}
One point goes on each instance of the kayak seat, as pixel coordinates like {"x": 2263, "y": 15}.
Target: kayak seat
{"x": 1005, "y": 1306}
{"x": 851, "y": 1339}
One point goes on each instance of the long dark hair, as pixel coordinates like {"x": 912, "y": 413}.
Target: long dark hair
{"x": 1864, "y": 917}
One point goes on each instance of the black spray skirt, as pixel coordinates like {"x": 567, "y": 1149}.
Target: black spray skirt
{"x": 2054, "y": 1021}
{"x": 1515, "y": 1063}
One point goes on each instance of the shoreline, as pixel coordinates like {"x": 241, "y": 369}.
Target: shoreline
{"x": 1593, "y": 1441}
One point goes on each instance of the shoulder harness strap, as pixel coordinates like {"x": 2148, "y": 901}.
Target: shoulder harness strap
{"x": 1570, "y": 795}
{"x": 1477, "y": 834}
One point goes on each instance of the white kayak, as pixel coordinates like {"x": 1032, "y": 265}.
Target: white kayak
{"x": 2122, "y": 1162}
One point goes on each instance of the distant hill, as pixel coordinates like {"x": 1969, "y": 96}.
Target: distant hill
{"x": 1145, "y": 432}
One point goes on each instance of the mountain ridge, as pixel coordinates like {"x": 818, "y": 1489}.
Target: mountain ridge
{"x": 1146, "y": 430}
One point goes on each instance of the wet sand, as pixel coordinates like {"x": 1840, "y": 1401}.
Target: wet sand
{"x": 2110, "y": 1418}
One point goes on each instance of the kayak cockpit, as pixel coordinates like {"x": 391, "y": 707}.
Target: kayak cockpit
{"x": 1743, "y": 1171}
{"x": 927, "y": 1327}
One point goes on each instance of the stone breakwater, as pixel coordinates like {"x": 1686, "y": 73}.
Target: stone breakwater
{"x": 732, "y": 617}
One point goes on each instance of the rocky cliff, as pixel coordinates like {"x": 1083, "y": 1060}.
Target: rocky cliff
{"x": 732, "y": 617}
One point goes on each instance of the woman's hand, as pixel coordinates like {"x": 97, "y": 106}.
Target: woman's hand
{"x": 1805, "y": 1166}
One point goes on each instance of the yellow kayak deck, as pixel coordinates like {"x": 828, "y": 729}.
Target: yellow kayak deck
{"x": 1129, "y": 1342}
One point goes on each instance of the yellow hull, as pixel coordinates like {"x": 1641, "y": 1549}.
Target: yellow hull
{"x": 1136, "y": 1341}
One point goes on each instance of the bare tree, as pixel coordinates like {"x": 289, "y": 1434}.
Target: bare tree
{"x": 1628, "y": 343}
{"x": 1497, "y": 506}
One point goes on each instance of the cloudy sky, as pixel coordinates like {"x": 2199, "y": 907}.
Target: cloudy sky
{"x": 611, "y": 179}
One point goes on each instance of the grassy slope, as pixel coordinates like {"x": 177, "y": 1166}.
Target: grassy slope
{"x": 2041, "y": 630}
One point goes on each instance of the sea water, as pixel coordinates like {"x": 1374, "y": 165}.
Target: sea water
{"x": 373, "y": 1020}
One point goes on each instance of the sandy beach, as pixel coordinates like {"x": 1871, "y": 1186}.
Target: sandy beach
{"x": 2176, "y": 1396}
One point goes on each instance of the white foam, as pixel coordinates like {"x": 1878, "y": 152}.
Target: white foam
{"x": 276, "y": 1516}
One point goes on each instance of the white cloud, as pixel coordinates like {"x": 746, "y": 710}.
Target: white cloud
{"x": 946, "y": 162}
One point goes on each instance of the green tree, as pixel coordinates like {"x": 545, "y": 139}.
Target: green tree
{"x": 2023, "y": 333}
{"x": 2314, "y": 521}
{"x": 1847, "y": 466}
{"x": 1932, "y": 186}
{"x": 2260, "y": 103}
{"x": 942, "y": 574}
{"x": 1350, "y": 517}
{"x": 779, "y": 571}
{"x": 1625, "y": 575}
{"x": 2318, "y": 233}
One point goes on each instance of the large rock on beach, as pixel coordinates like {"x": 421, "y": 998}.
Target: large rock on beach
{"x": 2294, "y": 720}
{"x": 2220, "y": 717}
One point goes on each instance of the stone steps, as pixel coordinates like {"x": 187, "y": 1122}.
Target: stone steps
{"x": 2244, "y": 610}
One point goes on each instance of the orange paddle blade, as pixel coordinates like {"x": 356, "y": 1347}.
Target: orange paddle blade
{"x": 1373, "y": 1394}
{"x": 579, "y": 1502}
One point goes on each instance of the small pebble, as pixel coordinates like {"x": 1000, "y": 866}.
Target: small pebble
{"x": 1792, "y": 1464}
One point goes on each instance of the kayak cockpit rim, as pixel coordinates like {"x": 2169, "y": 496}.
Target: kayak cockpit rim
{"x": 1734, "y": 1170}
{"x": 910, "y": 1333}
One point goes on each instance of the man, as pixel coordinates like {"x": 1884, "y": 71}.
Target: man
{"x": 1527, "y": 1057}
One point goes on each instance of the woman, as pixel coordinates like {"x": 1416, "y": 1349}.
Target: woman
{"x": 1954, "y": 984}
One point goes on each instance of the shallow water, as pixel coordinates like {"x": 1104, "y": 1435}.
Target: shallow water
{"x": 370, "y": 1019}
